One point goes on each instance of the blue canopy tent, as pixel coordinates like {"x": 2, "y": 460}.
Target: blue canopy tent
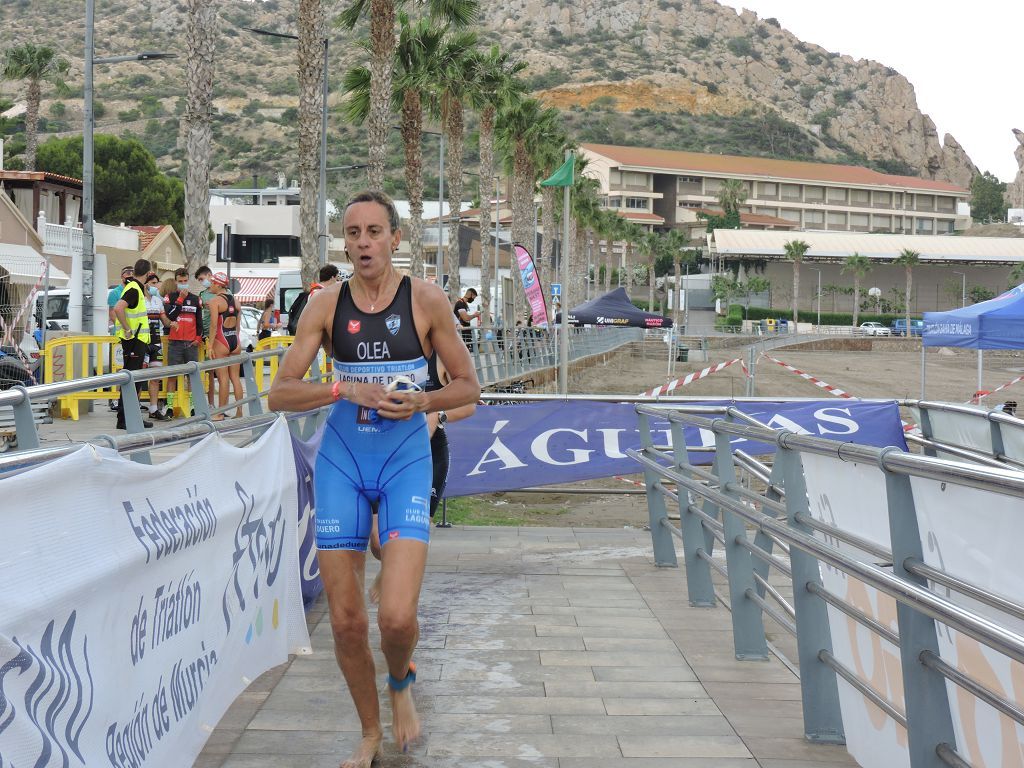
{"x": 994, "y": 324}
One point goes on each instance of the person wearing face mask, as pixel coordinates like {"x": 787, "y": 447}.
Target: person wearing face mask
{"x": 158, "y": 320}
{"x": 185, "y": 311}
{"x": 133, "y": 328}
{"x": 204, "y": 276}
{"x": 114, "y": 294}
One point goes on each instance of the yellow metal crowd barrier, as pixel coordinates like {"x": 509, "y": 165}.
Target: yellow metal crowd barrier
{"x": 77, "y": 357}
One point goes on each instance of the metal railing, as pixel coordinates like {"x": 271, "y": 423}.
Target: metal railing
{"x": 968, "y": 432}
{"x": 494, "y": 363}
{"x": 721, "y": 506}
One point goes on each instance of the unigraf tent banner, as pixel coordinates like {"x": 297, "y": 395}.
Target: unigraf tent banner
{"x": 852, "y": 497}
{"x": 504, "y": 447}
{"x": 531, "y": 286}
{"x": 975, "y": 536}
{"x": 138, "y": 601}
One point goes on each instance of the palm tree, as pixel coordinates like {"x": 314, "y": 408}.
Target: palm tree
{"x": 648, "y": 242}
{"x": 674, "y": 243}
{"x": 908, "y": 259}
{"x": 731, "y": 195}
{"x": 382, "y": 15}
{"x": 858, "y": 266}
{"x": 495, "y": 87}
{"x": 550, "y": 156}
{"x": 585, "y": 206}
{"x": 523, "y": 127}
{"x": 455, "y": 83}
{"x": 312, "y": 39}
{"x": 201, "y": 32}
{"x": 417, "y": 58}
{"x": 795, "y": 250}
{"x": 37, "y": 64}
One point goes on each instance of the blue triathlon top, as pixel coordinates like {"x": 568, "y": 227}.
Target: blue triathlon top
{"x": 377, "y": 347}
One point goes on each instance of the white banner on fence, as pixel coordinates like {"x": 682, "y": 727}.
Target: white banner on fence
{"x": 138, "y": 601}
{"x": 852, "y": 497}
{"x": 976, "y": 536}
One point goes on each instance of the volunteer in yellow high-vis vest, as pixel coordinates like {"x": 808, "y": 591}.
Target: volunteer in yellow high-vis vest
{"x": 132, "y": 327}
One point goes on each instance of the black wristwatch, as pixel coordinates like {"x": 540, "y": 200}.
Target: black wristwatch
{"x": 442, "y": 419}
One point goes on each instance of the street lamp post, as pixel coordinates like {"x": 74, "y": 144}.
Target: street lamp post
{"x": 321, "y": 234}
{"x": 88, "y": 164}
{"x": 963, "y": 287}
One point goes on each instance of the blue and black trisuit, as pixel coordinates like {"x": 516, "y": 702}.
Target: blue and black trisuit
{"x": 365, "y": 458}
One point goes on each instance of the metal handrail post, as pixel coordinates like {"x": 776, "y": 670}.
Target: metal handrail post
{"x": 747, "y": 617}
{"x": 926, "y": 431}
{"x": 761, "y": 539}
{"x": 24, "y": 425}
{"x": 251, "y": 389}
{"x": 661, "y": 539}
{"x": 199, "y": 402}
{"x": 132, "y": 413}
{"x": 926, "y": 701}
{"x": 819, "y": 688}
{"x": 998, "y": 447}
{"x": 696, "y": 538}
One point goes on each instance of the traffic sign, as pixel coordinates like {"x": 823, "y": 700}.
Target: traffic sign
{"x": 556, "y": 289}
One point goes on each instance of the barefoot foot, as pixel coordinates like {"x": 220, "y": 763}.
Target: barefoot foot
{"x": 375, "y": 590}
{"x": 405, "y": 723}
{"x": 367, "y": 751}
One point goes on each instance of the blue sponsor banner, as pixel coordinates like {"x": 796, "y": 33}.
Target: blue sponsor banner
{"x": 505, "y": 447}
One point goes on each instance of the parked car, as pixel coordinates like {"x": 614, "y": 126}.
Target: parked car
{"x": 874, "y": 329}
{"x": 899, "y": 327}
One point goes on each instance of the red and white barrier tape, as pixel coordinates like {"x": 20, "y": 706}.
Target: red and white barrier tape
{"x": 689, "y": 378}
{"x": 981, "y": 394}
{"x": 814, "y": 380}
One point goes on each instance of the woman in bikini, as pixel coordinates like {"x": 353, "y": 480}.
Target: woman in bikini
{"x": 223, "y": 342}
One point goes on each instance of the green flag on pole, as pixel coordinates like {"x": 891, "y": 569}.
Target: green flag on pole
{"x": 563, "y": 176}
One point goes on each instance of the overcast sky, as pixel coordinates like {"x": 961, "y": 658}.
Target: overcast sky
{"x": 965, "y": 60}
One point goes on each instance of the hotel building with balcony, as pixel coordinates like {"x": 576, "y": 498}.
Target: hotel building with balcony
{"x": 660, "y": 189}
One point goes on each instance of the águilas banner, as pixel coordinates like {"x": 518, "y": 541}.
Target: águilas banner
{"x": 532, "y": 287}
{"x": 139, "y": 601}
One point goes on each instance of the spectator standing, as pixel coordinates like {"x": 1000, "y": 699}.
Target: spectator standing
{"x": 327, "y": 276}
{"x": 268, "y": 323}
{"x": 114, "y": 294}
{"x": 223, "y": 341}
{"x": 465, "y": 317}
{"x": 132, "y": 329}
{"x": 203, "y": 277}
{"x": 185, "y": 311}
{"x": 158, "y": 320}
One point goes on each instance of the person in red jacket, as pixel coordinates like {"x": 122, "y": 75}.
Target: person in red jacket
{"x": 185, "y": 311}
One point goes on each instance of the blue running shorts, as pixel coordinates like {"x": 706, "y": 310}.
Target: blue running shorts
{"x": 359, "y": 464}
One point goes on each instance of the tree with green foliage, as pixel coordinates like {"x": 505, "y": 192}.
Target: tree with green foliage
{"x": 988, "y": 198}
{"x": 858, "y": 266}
{"x": 382, "y": 16}
{"x": 36, "y": 64}
{"x": 129, "y": 186}
{"x": 980, "y": 293}
{"x": 908, "y": 259}
{"x": 1016, "y": 275}
{"x": 795, "y": 250}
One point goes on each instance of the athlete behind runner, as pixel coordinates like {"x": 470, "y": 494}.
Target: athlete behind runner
{"x": 379, "y": 326}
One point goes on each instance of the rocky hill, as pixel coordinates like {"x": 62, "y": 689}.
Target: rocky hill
{"x": 686, "y": 74}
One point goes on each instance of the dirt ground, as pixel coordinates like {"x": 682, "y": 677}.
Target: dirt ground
{"x": 890, "y": 368}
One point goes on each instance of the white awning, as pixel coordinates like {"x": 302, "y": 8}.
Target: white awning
{"x": 24, "y": 265}
{"x": 883, "y": 247}
{"x": 253, "y": 290}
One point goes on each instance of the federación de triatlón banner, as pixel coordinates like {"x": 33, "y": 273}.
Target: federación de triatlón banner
{"x": 138, "y": 601}
{"x": 504, "y": 447}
